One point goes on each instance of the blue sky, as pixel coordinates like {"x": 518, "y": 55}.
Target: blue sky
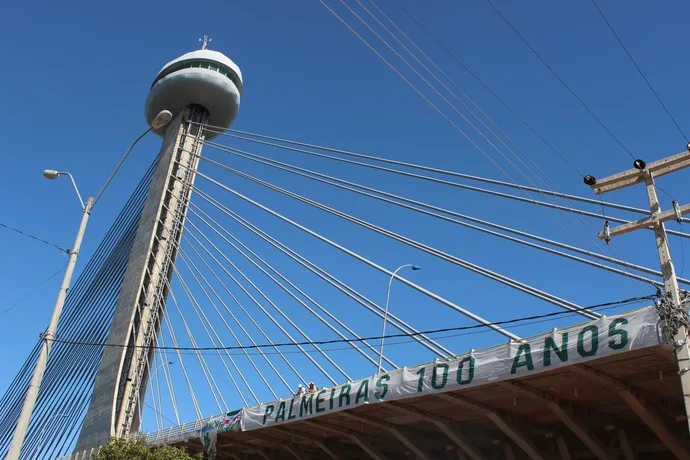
{"x": 76, "y": 77}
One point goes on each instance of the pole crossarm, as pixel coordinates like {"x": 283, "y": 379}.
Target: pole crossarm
{"x": 635, "y": 176}
{"x": 646, "y": 222}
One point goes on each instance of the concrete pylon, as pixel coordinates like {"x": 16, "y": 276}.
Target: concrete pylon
{"x": 115, "y": 407}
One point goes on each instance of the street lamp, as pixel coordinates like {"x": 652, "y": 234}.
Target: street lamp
{"x": 385, "y": 314}
{"x": 53, "y": 174}
{"x": 40, "y": 436}
{"x": 162, "y": 119}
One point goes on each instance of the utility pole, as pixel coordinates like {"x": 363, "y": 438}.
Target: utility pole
{"x": 671, "y": 311}
{"x": 47, "y": 341}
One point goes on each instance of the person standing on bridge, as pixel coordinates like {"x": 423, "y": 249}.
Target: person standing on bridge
{"x": 300, "y": 390}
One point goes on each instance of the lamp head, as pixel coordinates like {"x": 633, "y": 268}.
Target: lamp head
{"x": 162, "y": 119}
{"x": 51, "y": 174}
{"x": 416, "y": 267}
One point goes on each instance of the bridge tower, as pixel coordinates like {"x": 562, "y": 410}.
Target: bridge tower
{"x": 200, "y": 87}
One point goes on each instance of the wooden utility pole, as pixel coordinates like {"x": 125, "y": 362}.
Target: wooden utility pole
{"x": 671, "y": 311}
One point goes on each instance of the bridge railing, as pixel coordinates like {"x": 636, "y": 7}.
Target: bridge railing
{"x": 171, "y": 434}
{"x": 177, "y": 431}
{"x": 83, "y": 455}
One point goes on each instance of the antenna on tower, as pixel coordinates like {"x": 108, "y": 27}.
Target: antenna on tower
{"x": 205, "y": 41}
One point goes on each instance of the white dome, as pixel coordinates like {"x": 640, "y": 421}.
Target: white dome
{"x": 206, "y": 55}
{"x": 204, "y": 77}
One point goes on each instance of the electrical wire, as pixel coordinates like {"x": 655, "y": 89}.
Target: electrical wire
{"x": 487, "y": 87}
{"x": 560, "y": 79}
{"x": 361, "y": 339}
{"x": 639, "y": 70}
{"x": 35, "y": 238}
{"x": 31, "y": 292}
{"x": 405, "y": 341}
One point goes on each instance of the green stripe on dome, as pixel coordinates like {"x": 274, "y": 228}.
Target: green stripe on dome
{"x": 202, "y": 64}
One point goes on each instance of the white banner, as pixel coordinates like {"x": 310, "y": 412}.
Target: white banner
{"x": 563, "y": 347}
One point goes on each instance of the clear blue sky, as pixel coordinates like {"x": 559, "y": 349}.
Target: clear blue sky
{"x": 75, "y": 79}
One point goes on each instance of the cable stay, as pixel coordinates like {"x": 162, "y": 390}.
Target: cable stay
{"x": 276, "y": 322}
{"x": 283, "y": 287}
{"x": 268, "y": 361}
{"x": 442, "y": 255}
{"x": 242, "y": 135}
{"x": 353, "y": 294}
{"x": 417, "y": 205}
{"x": 198, "y": 242}
{"x": 446, "y": 182}
{"x": 587, "y": 235}
{"x": 477, "y": 78}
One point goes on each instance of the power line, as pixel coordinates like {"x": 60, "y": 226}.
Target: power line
{"x": 360, "y": 339}
{"x": 487, "y": 87}
{"x": 28, "y": 294}
{"x": 639, "y": 70}
{"x": 33, "y": 237}
{"x": 558, "y": 77}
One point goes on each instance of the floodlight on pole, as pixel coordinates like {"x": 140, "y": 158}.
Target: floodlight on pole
{"x": 51, "y": 174}
{"x": 385, "y": 313}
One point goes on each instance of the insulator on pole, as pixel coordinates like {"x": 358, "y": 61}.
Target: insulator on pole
{"x": 607, "y": 232}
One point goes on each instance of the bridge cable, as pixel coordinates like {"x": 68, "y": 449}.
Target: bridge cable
{"x": 566, "y": 229}
{"x": 348, "y": 185}
{"x": 285, "y": 317}
{"x": 473, "y": 267}
{"x": 353, "y": 294}
{"x": 277, "y": 323}
{"x": 188, "y": 262}
{"x": 256, "y": 324}
{"x": 291, "y": 284}
{"x": 251, "y": 318}
{"x": 456, "y": 185}
{"x": 237, "y": 134}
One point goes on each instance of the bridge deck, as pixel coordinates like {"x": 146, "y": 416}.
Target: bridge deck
{"x": 627, "y": 406}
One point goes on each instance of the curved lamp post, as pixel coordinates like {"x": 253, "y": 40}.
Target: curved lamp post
{"x": 385, "y": 314}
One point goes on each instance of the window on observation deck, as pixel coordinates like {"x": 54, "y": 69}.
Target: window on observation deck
{"x": 214, "y": 66}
